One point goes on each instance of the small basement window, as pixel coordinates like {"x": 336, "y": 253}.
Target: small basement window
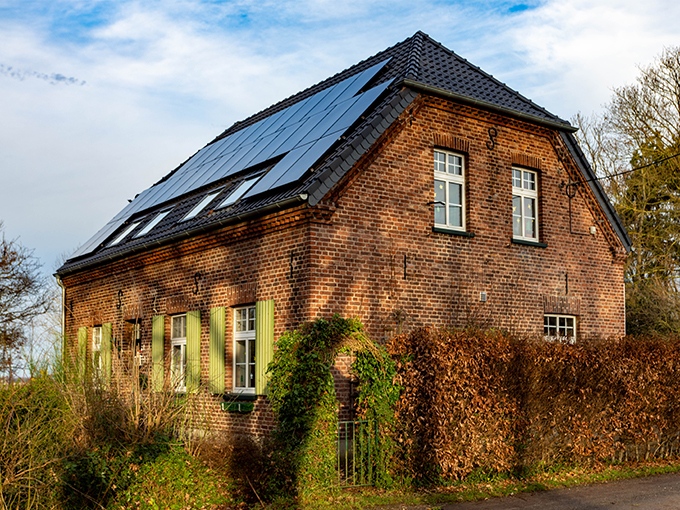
{"x": 561, "y": 328}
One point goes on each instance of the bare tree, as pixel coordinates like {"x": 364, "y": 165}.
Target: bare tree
{"x": 634, "y": 147}
{"x": 23, "y": 296}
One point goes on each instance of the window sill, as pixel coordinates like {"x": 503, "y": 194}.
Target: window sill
{"x": 240, "y": 397}
{"x": 237, "y": 407}
{"x": 444, "y": 230}
{"x": 529, "y": 243}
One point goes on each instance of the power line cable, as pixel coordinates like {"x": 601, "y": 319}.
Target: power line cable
{"x": 624, "y": 172}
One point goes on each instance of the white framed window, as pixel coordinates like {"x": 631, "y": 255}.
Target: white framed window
{"x": 449, "y": 190}
{"x": 149, "y": 226}
{"x": 178, "y": 351}
{"x": 201, "y": 205}
{"x": 244, "y": 349}
{"x": 524, "y": 204}
{"x": 241, "y": 190}
{"x": 560, "y": 328}
{"x": 124, "y": 233}
{"x": 97, "y": 349}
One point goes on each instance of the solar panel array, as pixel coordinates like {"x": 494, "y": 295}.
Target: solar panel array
{"x": 301, "y": 133}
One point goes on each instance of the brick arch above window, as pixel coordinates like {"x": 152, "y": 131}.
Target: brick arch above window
{"x": 521, "y": 159}
{"x": 451, "y": 142}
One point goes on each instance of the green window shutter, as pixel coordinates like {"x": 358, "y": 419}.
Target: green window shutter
{"x": 81, "y": 355}
{"x": 157, "y": 348}
{"x": 106, "y": 350}
{"x": 264, "y": 343}
{"x": 217, "y": 349}
{"x": 193, "y": 369}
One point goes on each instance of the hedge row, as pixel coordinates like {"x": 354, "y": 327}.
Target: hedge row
{"x": 487, "y": 400}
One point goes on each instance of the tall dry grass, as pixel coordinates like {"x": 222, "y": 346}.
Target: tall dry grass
{"x": 67, "y": 430}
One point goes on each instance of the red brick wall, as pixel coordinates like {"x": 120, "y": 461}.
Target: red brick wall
{"x": 383, "y": 222}
{"x": 369, "y": 251}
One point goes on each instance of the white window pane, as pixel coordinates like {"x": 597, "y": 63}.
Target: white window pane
{"x": 251, "y": 351}
{"x": 517, "y": 216}
{"x": 251, "y": 319}
{"x": 201, "y": 205}
{"x": 529, "y": 180}
{"x": 439, "y": 161}
{"x": 455, "y": 216}
{"x": 251, "y": 376}
{"x": 440, "y": 196}
{"x": 455, "y": 165}
{"x": 179, "y": 326}
{"x": 240, "y": 354}
{"x": 159, "y": 217}
{"x": 455, "y": 193}
{"x": 124, "y": 234}
{"x": 239, "y": 192}
{"x": 241, "y": 376}
{"x": 529, "y": 217}
{"x": 516, "y": 178}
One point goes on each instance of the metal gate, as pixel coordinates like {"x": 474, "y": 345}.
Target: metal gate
{"x": 356, "y": 445}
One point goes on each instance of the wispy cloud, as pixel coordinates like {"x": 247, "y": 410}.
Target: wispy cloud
{"x": 52, "y": 79}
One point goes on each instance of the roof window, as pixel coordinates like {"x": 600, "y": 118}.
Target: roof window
{"x": 201, "y": 205}
{"x": 124, "y": 234}
{"x": 240, "y": 190}
{"x": 159, "y": 217}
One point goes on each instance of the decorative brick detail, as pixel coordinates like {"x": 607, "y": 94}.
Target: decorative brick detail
{"x": 446, "y": 141}
{"x": 526, "y": 161}
{"x": 566, "y": 305}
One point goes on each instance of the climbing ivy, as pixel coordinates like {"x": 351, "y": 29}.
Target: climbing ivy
{"x": 302, "y": 394}
{"x": 378, "y": 395}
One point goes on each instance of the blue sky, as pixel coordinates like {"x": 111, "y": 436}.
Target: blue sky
{"x": 100, "y": 99}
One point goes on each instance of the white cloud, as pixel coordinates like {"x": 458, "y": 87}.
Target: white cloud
{"x": 584, "y": 48}
{"x": 163, "y": 78}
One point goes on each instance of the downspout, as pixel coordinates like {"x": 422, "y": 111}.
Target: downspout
{"x": 63, "y": 316}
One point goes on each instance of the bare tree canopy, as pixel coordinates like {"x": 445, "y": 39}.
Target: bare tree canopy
{"x": 23, "y": 296}
{"x": 639, "y": 134}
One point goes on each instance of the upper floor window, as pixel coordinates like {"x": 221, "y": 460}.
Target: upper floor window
{"x": 244, "y": 349}
{"x": 524, "y": 204}
{"x": 178, "y": 351}
{"x": 449, "y": 190}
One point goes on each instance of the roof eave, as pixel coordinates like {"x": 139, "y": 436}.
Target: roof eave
{"x": 487, "y": 105}
{"x": 283, "y": 204}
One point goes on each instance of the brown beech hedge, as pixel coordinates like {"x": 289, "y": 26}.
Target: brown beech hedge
{"x": 486, "y": 400}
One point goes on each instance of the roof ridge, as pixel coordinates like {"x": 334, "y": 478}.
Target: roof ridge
{"x": 494, "y": 79}
{"x": 348, "y": 72}
{"x": 413, "y": 65}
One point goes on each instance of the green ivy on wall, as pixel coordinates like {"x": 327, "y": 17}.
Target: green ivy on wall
{"x": 302, "y": 394}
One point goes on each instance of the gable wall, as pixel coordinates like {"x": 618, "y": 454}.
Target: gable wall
{"x": 383, "y": 223}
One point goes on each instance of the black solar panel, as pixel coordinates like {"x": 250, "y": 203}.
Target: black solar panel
{"x": 303, "y": 132}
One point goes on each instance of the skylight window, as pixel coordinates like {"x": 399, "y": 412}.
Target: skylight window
{"x": 159, "y": 217}
{"x": 201, "y": 205}
{"x": 241, "y": 190}
{"x": 124, "y": 234}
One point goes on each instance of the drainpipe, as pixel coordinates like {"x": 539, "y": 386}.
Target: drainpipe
{"x": 63, "y": 316}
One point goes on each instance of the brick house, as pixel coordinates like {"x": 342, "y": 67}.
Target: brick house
{"x": 412, "y": 188}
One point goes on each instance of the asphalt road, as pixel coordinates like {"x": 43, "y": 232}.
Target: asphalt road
{"x": 654, "y": 492}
